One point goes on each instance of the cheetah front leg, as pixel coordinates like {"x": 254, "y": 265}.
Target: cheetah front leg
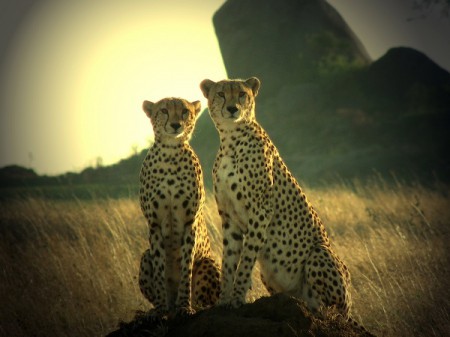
{"x": 254, "y": 240}
{"x": 232, "y": 248}
{"x": 183, "y": 301}
{"x": 152, "y": 272}
{"x": 146, "y": 272}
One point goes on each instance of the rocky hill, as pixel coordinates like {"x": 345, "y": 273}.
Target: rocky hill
{"x": 330, "y": 110}
{"x": 282, "y": 42}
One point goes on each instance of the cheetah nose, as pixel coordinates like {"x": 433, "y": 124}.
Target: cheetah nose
{"x": 232, "y": 109}
{"x": 175, "y": 126}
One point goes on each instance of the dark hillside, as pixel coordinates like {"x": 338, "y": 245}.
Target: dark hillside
{"x": 409, "y": 82}
{"x": 117, "y": 180}
{"x": 329, "y": 110}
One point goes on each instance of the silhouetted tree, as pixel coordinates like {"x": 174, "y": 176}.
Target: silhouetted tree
{"x": 98, "y": 162}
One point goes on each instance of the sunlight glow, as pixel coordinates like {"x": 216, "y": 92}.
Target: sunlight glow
{"x": 87, "y": 67}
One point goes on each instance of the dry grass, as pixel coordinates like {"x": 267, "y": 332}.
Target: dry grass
{"x": 69, "y": 268}
{"x": 395, "y": 242}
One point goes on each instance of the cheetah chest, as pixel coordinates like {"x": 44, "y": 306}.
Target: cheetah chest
{"x": 229, "y": 196}
{"x": 166, "y": 203}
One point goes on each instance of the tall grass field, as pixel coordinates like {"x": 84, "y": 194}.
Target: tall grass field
{"x": 69, "y": 267}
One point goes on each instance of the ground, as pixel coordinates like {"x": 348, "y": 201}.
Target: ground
{"x": 278, "y": 315}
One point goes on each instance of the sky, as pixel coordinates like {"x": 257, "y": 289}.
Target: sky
{"x": 73, "y": 74}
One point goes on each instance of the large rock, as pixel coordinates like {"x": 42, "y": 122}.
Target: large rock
{"x": 284, "y": 42}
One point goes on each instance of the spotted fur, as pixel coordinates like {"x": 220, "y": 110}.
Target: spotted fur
{"x": 265, "y": 214}
{"x": 178, "y": 266}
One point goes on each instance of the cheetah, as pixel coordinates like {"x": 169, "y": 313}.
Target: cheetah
{"x": 264, "y": 212}
{"x": 177, "y": 269}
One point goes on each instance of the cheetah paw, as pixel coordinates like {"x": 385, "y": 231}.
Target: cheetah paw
{"x": 183, "y": 312}
{"x": 152, "y": 316}
{"x": 236, "y": 303}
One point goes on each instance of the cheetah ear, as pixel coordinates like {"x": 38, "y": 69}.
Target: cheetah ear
{"x": 254, "y": 84}
{"x": 206, "y": 86}
{"x": 147, "y": 106}
{"x": 198, "y": 106}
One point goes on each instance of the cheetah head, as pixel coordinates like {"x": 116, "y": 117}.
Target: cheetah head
{"x": 231, "y": 101}
{"x": 173, "y": 119}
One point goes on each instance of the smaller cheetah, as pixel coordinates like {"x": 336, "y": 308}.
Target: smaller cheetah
{"x": 265, "y": 214}
{"x": 178, "y": 265}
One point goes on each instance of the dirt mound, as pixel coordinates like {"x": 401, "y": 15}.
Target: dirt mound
{"x": 279, "y": 315}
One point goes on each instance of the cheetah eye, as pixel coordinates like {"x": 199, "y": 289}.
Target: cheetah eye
{"x": 221, "y": 94}
{"x": 185, "y": 113}
{"x": 164, "y": 111}
{"x": 242, "y": 94}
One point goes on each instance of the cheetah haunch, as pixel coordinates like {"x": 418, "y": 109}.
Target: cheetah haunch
{"x": 178, "y": 265}
{"x": 265, "y": 214}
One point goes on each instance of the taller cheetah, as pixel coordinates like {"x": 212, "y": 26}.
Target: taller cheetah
{"x": 172, "y": 196}
{"x": 264, "y": 212}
